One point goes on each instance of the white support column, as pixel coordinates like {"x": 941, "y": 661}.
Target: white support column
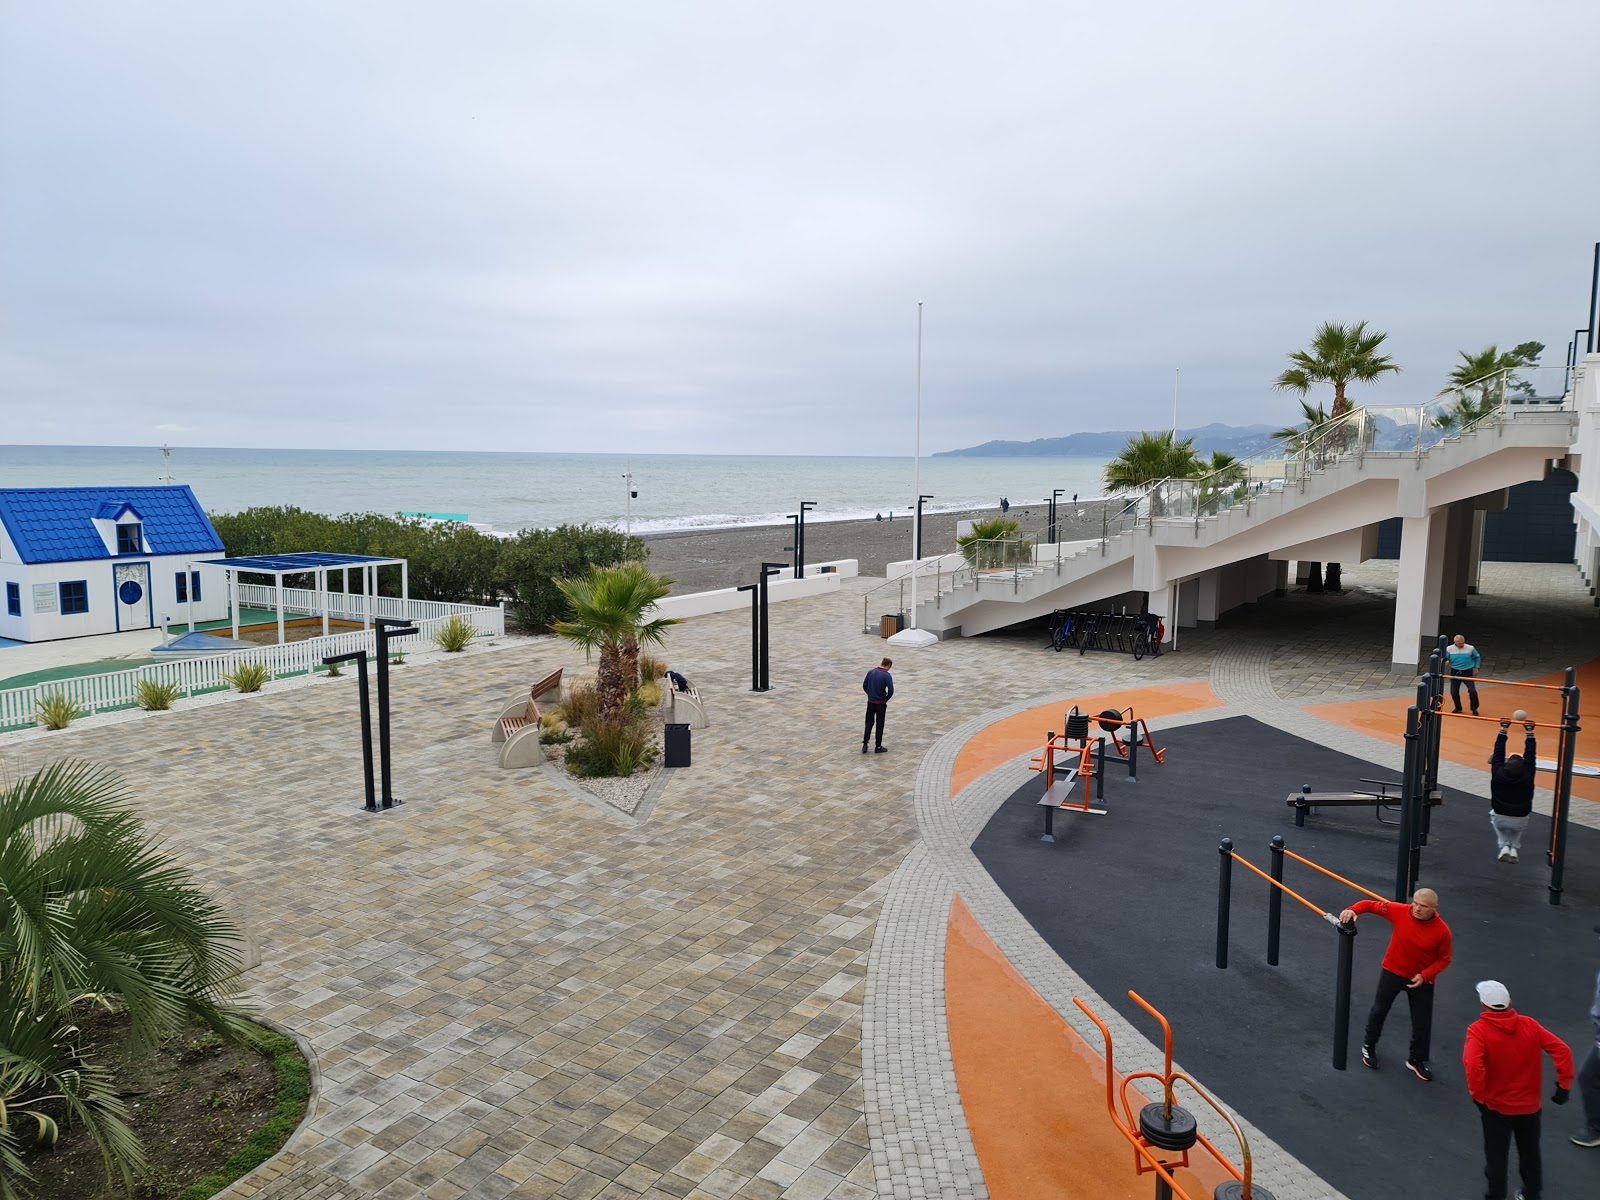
{"x": 233, "y": 600}
{"x": 188, "y": 582}
{"x": 405, "y": 590}
{"x": 1208, "y": 590}
{"x": 1452, "y": 562}
{"x": 322, "y": 597}
{"x": 347, "y": 606}
{"x": 277, "y": 583}
{"x": 366, "y": 590}
{"x": 1416, "y": 602}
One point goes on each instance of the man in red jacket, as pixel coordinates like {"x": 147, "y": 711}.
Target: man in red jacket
{"x": 1505, "y": 1075}
{"x": 1419, "y": 949}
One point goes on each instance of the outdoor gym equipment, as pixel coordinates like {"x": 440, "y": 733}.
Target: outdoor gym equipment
{"x": 1163, "y": 1128}
{"x": 1084, "y": 757}
{"x": 1305, "y": 801}
{"x": 1275, "y": 895}
{"x": 1420, "y": 777}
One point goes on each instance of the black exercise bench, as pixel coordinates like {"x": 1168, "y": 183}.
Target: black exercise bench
{"x": 1306, "y": 801}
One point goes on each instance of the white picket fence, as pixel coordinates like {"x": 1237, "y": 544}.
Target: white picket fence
{"x": 120, "y": 689}
{"x": 352, "y": 606}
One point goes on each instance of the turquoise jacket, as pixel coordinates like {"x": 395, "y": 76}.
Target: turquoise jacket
{"x": 1464, "y": 659}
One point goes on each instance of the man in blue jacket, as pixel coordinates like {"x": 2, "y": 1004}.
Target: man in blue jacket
{"x": 1464, "y": 662}
{"x": 879, "y": 687}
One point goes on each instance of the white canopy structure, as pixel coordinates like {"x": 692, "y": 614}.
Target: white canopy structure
{"x": 318, "y": 564}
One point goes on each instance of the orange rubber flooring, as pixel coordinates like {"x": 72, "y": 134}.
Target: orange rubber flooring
{"x": 1004, "y": 740}
{"x": 1470, "y": 742}
{"x": 1034, "y": 1091}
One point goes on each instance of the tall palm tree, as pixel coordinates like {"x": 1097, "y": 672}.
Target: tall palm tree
{"x": 90, "y": 912}
{"x": 1150, "y": 458}
{"x": 608, "y": 614}
{"x": 1489, "y": 374}
{"x": 1340, "y": 355}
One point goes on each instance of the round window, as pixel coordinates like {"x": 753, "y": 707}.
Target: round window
{"x": 130, "y": 593}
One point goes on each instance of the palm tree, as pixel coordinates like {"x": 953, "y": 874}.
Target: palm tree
{"x": 1489, "y": 371}
{"x": 90, "y": 912}
{"x": 1150, "y": 458}
{"x": 1340, "y": 355}
{"x": 992, "y": 537}
{"x": 1296, "y": 438}
{"x": 608, "y": 614}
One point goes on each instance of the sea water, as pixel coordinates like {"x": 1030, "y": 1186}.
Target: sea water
{"x": 517, "y": 491}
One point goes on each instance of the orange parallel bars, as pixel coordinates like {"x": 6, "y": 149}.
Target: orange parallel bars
{"x": 1162, "y": 1128}
{"x": 1347, "y": 932}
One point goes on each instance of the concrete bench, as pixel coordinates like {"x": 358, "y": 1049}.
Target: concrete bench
{"x": 520, "y": 723}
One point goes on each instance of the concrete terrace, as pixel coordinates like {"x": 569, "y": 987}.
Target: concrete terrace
{"x": 511, "y": 992}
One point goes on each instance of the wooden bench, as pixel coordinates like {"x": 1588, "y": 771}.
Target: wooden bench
{"x": 692, "y": 700}
{"x": 1307, "y": 801}
{"x": 517, "y": 728}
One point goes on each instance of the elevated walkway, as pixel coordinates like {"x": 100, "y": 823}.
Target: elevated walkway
{"x": 1222, "y": 538}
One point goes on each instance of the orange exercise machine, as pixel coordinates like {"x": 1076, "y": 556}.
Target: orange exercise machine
{"x": 1163, "y": 1132}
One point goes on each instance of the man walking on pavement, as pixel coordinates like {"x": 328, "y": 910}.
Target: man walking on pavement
{"x": 1464, "y": 661}
{"x": 1589, "y": 1077}
{"x": 1418, "y": 951}
{"x": 879, "y": 687}
{"x": 1505, "y": 1076}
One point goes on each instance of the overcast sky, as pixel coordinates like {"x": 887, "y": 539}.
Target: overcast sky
{"x": 705, "y": 227}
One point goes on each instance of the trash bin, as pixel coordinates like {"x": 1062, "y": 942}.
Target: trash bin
{"x": 890, "y": 624}
{"x": 677, "y": 747}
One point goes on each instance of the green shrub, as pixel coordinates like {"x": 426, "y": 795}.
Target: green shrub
{"x": 558, "y": 736}
{"x": 248, "y": 677}
{"x": 57, "y": 711}
{"x": 531, "y": 565}
{"x": 455, "y": 635}
{"x": 335, "y": 670}
{"x": 155, "y": 696}
{"x": 580, "y": 705}
{"x": 611, "y": 748}
{"x": 397, "y": 657}
{"x": 650, "y": 692}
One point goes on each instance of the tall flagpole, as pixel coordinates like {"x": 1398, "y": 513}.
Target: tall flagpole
{"x": 1174, "y": 406}
{"x": 911, "y": 635}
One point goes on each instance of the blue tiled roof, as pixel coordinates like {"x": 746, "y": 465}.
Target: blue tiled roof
{"x": 112, "y": 509}
{"x": 57, "y": 524}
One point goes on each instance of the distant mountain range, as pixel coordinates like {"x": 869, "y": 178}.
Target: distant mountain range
{"x": 1239, "y": 440}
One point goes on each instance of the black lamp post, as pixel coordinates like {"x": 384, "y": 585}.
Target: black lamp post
{"x": 795, "y": 548}
{"x": 800, "y": 546}
{"x": 767, "y": 569}
{"x": 755, "y": 633}
{"x": 1055, "y": 497}
{"x": 920, "y": 499}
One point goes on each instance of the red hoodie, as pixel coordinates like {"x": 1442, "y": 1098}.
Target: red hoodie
{"x": 1415, "y": 947}
{"x": 1504, "y": 1070}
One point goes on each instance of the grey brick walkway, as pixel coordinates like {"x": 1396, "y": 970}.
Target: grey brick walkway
{"x": 512, "y": 993}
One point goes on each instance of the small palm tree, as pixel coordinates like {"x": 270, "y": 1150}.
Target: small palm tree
{"x": 1296, "y": 438}
{"x": 90, "y": 912}
{"x": 988, "y": 541}
{"x": 1150, "y": 458}
{"x": 1480, "y": 382}
{"x": 1340, "y": 355}
{"x": 608, "y": 614}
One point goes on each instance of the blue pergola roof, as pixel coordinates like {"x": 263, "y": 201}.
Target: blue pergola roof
{"x": 288, "y": 564}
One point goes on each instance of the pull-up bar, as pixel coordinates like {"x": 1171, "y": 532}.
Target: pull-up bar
{"x": 1440, "y": 712}
{"x": 1347, "y": 932}
{"x": 1548, "y": 687}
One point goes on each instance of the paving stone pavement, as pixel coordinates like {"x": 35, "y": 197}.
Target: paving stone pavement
{"x": 511, "y": 993}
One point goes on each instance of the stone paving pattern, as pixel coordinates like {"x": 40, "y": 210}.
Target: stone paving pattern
{"x": 512, "y": 993}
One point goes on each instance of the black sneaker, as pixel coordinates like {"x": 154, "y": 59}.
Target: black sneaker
{"x": 863, "y": 747}
{"x": 1421, "y": 1070}
{"x": 1369, "y": 1057}
{"x": 1588, "y": 1137}
{"x": 881, "y": 750}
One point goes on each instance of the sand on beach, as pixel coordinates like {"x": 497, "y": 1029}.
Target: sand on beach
{"x": 703, "y": 560}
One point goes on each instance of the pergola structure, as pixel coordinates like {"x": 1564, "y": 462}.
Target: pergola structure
{"x": 318, "y": 564}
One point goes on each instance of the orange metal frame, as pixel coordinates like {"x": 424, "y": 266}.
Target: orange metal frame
{"x": 1248, "y": 865}
{"x": 1145, "y": 1157}
{"x": 1046, "y": 762}
{"x": 1137, "y": 723}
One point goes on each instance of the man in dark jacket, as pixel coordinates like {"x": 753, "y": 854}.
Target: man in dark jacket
{"x": 879, "y": 687}
{"x": 1505, "y": 1077}
{"x": 1511, "y": 790}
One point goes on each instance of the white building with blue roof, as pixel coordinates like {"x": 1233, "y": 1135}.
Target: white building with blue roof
{"x": 81, "y": 561}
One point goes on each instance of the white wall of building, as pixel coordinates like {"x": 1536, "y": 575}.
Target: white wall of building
{"x": 42, "y": 619}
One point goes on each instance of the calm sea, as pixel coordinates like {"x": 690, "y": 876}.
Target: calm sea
{"x": 517, "y": 491}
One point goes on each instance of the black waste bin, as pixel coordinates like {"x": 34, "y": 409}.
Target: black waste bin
{"x": 677, "y": 749}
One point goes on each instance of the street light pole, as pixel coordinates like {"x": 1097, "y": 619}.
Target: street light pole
{"x": 1175, "y": 372}
{"x": 918, "y": 548}
{"x": 1055, "y": 510}
{"x": 800, "y": 541}
{"x": 911, "y": 635}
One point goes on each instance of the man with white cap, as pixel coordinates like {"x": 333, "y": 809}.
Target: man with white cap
{"x": 1505, "y": 1077}
{"x": 1589, "y": 1077}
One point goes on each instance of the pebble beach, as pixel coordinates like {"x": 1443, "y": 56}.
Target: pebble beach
{"x": 703, "y": 560}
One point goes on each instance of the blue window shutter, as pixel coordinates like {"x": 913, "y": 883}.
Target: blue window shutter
{"x": 194, "y": 585}
{"x": 14, "y": 599}
{"x": 183, "y": 588}
{"x": 74, "y": 596}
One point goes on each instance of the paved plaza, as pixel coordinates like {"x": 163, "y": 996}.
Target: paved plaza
{"x": 738, "y": 991}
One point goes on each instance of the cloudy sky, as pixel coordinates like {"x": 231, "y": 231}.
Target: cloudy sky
{"x": 705, "y": 227}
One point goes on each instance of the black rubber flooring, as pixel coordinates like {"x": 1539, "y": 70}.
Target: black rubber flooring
{"x": 1129, "y": 900}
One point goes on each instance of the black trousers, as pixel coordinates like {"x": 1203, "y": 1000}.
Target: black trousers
{"x": 1498, "y": 1130}
{"x": 875, "y": 714}
{"x": 1457, "y": 678}
{"x": 1419, "y": 999}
